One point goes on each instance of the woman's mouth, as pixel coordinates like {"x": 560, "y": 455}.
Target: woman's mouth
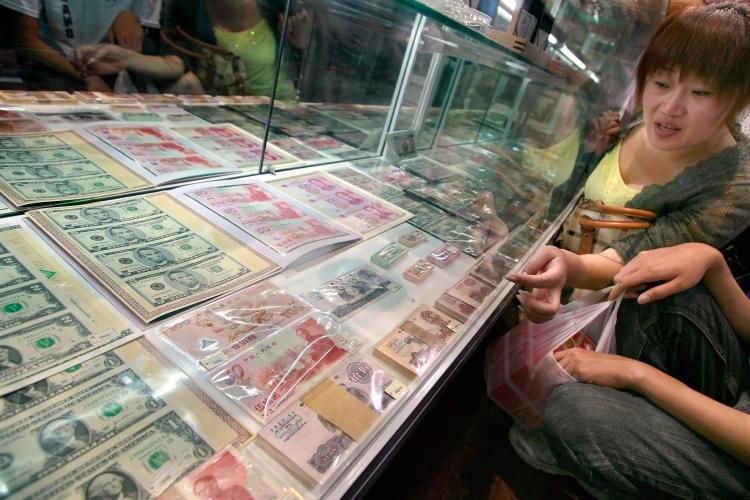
{"x": 664, "y": 129}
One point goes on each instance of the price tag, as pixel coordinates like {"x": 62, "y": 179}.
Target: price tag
{"x": 214, "y": 361}
{"x": 395, "y": 389}
{"x": 347, "y": 343}
{"x": 165, "y": 477}
{"x": 103, "y": 336}
{"x": 401, "y": 145}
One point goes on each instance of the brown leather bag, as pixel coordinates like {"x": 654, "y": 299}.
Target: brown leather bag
{"x": 221, "y": 71}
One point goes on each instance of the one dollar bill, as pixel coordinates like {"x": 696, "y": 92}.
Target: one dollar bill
{"x": 139, "y": 466}
{"x": 53, "y": 436}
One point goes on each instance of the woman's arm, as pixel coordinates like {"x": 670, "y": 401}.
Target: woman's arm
{"x": 730, "y": 297}
{"x": 723, "y": 426}
{"x": 682, "y": 267}
{"x": 27, "y": 42}
{"x": 106, "y": 58}
{"x": 551, "y": 268}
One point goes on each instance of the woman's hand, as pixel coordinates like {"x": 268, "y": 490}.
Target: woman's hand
{"x": 298, "y": 28}
{"x": 546, "y": 273}
{"x": 608, "y": 370}
{"x": 101, "y": 59}
{"x": 680, "y": 267}
{"x": 607, "y": 127}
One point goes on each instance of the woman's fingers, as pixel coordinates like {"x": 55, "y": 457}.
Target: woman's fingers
{"x": 537, "y": 310}
{"x": 544, "y": 280}
{"x": 660, "y": 291}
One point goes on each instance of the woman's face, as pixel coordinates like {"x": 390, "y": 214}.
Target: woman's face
{"x": 682, "y": 114}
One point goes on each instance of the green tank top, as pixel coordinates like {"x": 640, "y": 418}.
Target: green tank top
{"x": 606, "y": 184}
{"x": 256, "y": 46}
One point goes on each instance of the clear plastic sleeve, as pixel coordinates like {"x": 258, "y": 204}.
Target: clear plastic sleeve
{"x": 273, "y": 372}
{"x": 221, "y": 329}
{"x": 231, "y": 474}
{"x": 415, "y": 343}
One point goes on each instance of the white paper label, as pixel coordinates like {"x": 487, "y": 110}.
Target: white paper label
{"x": 103, "y": 336}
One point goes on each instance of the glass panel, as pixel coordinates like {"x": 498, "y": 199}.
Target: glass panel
{"x": 502, "y": 108}
{"x": 604, "y": 40}
{"x": 471, "y": 99}
{"x": 339, "y": 72}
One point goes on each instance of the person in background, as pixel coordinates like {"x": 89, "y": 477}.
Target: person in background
{"x": 47, "y": 32}
{"x": 672, "y": 421}
{"x": 249, "y": 28}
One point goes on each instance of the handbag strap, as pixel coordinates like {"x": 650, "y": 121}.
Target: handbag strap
{"x": 587, "y": 222}
{"x": 182, "y": 33}
{"x": 589, "y": 227}
{"x": 631, "y": 212}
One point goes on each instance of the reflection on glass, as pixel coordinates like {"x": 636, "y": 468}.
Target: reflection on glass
{"x": 471, "y": 99}
{"x": 344, "y": 60}
{"x": 549, "y": 128}
{"x": 503, "y": 104}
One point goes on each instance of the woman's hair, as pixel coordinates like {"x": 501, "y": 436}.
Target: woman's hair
{"x": 711, "y": 42}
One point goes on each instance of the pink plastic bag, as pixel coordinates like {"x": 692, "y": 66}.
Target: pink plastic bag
{"x": 519, "y": 367}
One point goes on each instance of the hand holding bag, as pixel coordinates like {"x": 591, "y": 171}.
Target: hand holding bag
{"x": 221, "y": 71}
{"x": 520, "y": 369}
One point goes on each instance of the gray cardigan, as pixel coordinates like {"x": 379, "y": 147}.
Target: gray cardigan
{"x": 708, "y": 202}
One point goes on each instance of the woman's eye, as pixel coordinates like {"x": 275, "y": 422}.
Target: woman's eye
{"x": 661, "y": 85}
{"x": 701, "y": 92}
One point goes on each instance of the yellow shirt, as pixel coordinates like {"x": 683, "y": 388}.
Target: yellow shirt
{"x": 556, "y": 162}
{"x": 256, "y": 46}
{"x": 606, "y": 184}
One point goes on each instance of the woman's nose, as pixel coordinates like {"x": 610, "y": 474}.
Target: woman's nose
{"x": 674, "y": 102}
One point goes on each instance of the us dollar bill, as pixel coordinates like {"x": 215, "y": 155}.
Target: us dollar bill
{"x": 30, "y": 142}
{"x": 124, "y": 212}
{"x": 57, "y": 189}
{"x": 55, "y": 435}
{"x": 37, "y": 393}
{"x": 138, "y": 466}
{"x": 13, "y": 272}
{"x": 147, "y": 258}
{"x": 52, "y": 171}
{"x": 179, "y": 282}
{"x": 146, "y": 231}
{"x": 25, "y": 304}
{"x": 47, "y": 344}
{"x": 26, "y": 156}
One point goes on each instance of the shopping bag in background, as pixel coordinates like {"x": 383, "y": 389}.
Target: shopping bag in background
{"x": 519, "y": 367}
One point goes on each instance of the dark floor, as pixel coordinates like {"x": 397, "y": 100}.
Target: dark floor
{"x": 461, "y": 450}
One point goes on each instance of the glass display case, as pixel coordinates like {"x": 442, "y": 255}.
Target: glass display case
{"x": 261, "y": 290}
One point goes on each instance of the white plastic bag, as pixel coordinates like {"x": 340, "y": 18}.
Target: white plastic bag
{"x": 520, "y": 369}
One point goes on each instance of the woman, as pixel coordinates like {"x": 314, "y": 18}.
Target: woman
{"x": 637, "y": 428}
{"x": 683, "y": 162}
